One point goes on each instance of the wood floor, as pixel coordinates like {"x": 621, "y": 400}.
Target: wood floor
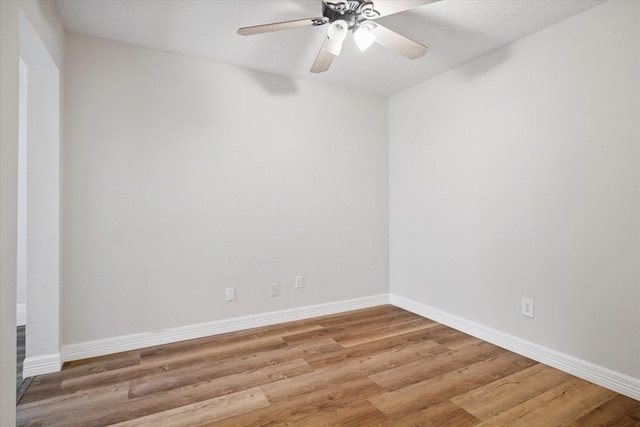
{"x": 379, "y": 366}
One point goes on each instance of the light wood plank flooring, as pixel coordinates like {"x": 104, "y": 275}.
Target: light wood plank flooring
{"x": 378, "y": 366}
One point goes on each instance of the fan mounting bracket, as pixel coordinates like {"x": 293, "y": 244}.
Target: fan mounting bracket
{"x": 352, "y": 12}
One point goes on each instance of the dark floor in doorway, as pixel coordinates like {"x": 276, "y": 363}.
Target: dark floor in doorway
{"x": 22, "y": 384}
{"x": 20, "y": 352}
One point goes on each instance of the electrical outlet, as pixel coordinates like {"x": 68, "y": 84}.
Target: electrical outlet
{"x": 299, "y": 282}
{"x": 527, "y": 307}
{"x": 231, "y": 294}
{"x": 275, "y": 289}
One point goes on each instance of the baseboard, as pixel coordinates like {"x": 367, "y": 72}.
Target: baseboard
{"x": 148, "y": 339}
{"x": 616, "y": 381}
{"x": 21, "y": 314}
{"x": 41, "y": 365}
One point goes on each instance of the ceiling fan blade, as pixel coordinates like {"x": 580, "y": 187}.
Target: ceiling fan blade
{"x": 285, "y": 25}
{"x": 389, "y": 7}
{"x": 323, "y": 60}
{"x": 398, "y": 43}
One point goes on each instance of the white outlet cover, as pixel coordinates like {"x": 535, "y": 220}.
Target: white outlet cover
{"x": 527, "y": 307}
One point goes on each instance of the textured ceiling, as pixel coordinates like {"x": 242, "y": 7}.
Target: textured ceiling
{"x": 456, "y": 31}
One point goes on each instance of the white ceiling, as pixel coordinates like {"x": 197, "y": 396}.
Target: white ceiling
{"x": 456, "y": 31}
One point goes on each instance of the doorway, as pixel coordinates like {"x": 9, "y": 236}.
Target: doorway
{"x": 38, "y": 268}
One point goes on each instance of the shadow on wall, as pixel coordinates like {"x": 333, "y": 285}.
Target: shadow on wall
{"x": 274, "y": 84}
{"x": 489, "y": 62}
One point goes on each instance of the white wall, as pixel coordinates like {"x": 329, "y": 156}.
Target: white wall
{"x": 9, "y": 83}
{"x": 45, "y": 21}
{"x": 21, "y": 296}
{"x": 183, "y": 177}
{"x": 517, "y": 174}
{"x": 41, "y": 169}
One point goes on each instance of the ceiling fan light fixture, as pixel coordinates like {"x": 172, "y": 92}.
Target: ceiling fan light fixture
{"x": 363, "y": 37}
{"x": 332, "y": 46}
{"x": 336, "y": 33}
{"x": 355, "y": 16}
{"x": 338, "y": 30}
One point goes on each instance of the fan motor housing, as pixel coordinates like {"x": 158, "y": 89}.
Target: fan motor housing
{"x": 351, "y": 12}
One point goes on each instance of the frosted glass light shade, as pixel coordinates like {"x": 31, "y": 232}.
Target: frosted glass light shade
{"x": 338, "y": 31}
{"x": 363, "y": 38}
{"x": 334, "y": 47}
{"x": 336, "y": 34}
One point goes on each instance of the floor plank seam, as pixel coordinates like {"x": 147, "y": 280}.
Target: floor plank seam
{"x": 378, "y": 366}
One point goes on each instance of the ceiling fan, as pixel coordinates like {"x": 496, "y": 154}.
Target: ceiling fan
{"x": 357, "y": 17}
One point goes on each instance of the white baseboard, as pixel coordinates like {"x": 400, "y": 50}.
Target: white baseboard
{"x": 147, "y": 339}
{"x": 41, "y": 365}
{"x": 616, "y": 381}
{"x": 21, "y": 314}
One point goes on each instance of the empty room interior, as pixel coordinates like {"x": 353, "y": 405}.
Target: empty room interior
{"x": 209, "y": 220}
